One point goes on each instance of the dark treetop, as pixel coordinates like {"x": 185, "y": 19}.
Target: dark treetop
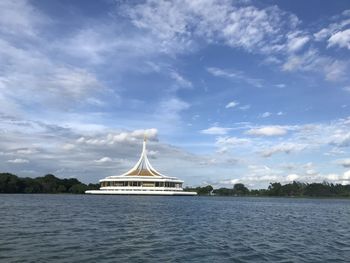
{"x": 10, "y": 183}
{"x": 299, "y": 189}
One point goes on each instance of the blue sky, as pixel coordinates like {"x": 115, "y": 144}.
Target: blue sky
{"x": 227, "y": 91}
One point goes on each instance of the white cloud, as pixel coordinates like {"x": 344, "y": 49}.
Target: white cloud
{"x": 170, "y": 109}
{"x": 322, "y": 34}
{"x": 68, "y": 146}
{"x": 151, "y": 134}
{"x": 341, "y": 39}
{"x": 18, "y": 160}
{"x": 272, "y": 60}
{"x": 260, "y": 175}
{"x": 181, "y": 81}
{"x": 343, "y": 179}
{"x": 283, "y": 148}
{"x": 268, "y": 131}
{"x": 250, "y": 28}
{"x": 266, "y": 114}
{"x": 231, "y": 104}
{"x": 296, "y": 43}
{"x": 26, "y": 151}
{"x": 235, "y": 75}
{"x": 245, "y": 107}
{"x": 167, "y": 21}
{"x": 39, "y": 80}
{"x": 20, "y": 18}
{"x": 224, "y": 144}
{"x": 281, "y": 85}
{"x": 336, "y": 70}
{"x": 311, "y": 60}
{"x": 231, "y": 141}
{"x": 215, "y": 130}
{"x": 292, "y": 177}
{"x": 122, "y": 137}
{"x": 342, "y": 22}
{"x": 177, "y": 24}
{"x": 340, "y": 138}
{"x": 103, "y": 160}
{"x": 344, "y": 162}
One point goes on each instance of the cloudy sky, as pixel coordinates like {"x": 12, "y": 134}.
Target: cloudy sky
{"x": 227, "y": 91}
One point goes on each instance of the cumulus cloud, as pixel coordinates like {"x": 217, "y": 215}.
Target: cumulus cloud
{"x": 266, "y": 114}
{"x": 26, "y": 151}
{"x": 68, "y": 146}
{"x": 342, "y": 21}
{"x": 340, "y": 139}
{"x": 104, "y": 160}
{"x": 215, "y": 130}
{"x": 18, "y": 160}
{"x": 231, "y": 104}
{"x": 341, "y": 39}
{"x": 339, "y": 178}
{"x": 281, "y": 85}
{"x": 292, "y": 177}
{"x": 226, "y": 143}
{"x": 283, "y": 148}
{"x": 89, "y": 153}
{"x": 295, "y": 42}
{"x": 245, "y": 107}
{"x": 231, "y": 141}
{"x": 122, "y": 137}
{"x": 41, "y": 80}
{"x": 268, "y": 131}
{"x": 344, "y": 162}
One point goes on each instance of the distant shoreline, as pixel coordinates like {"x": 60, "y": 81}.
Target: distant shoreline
{"x": 50, "y": 184}
{"x": 200, "y": 196}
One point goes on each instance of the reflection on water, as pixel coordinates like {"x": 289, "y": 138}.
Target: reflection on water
{"x": 81, "y": 228}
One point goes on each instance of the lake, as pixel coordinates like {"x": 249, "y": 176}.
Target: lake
{"x": 84, "y": 228}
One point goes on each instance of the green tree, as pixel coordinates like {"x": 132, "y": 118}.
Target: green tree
{"x": 206, "y": 190}
{"x": 240, "y": 189}
{"x": 78, "y": 188}
{"x": 275, "y": 189}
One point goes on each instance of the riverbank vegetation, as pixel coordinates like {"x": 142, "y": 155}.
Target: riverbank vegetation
{"x": 294, "y": 189}
{"x": 10, "y": 183}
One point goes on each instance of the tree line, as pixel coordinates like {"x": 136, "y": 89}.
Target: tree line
{"x": 297, "y": 189}
{"x": 10, "y": 183}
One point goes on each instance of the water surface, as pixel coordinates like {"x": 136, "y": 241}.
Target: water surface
{"x": 83, "y": 228}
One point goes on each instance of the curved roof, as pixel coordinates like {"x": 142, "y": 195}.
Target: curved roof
{"x": 143, "y": 166}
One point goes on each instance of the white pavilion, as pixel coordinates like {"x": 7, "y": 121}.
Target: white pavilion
{"x": 142, "y": 179}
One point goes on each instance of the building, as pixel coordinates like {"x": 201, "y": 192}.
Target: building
{"x": 142, "y": 179}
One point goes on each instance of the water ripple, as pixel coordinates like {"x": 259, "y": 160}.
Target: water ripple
{"x": 72, "y": 228}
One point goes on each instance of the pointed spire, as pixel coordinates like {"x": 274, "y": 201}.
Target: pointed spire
{"x": 143, "y": 166}
{"x": 144, "y": 144}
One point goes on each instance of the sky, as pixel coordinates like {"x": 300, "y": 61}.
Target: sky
{"x": 227, "y": 92}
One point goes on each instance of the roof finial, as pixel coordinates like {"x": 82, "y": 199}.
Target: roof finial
{"x": 144, "y": 137}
